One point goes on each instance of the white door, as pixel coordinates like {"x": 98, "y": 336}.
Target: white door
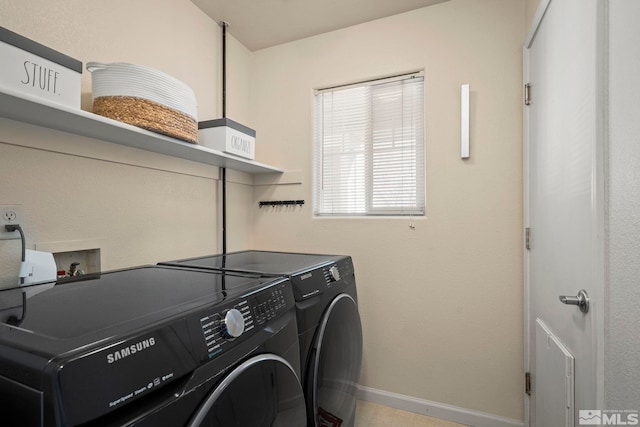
{"x": 564, "y": 209}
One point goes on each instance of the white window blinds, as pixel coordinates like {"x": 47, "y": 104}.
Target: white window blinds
{"x": 369, "y": 148}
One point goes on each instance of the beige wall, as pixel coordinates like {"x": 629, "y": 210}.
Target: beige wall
{"x": 139, "y": 207}
{"x": 239, "y": 185}
{"x": 441, "y": 304}
{"x": 531, "y": 7}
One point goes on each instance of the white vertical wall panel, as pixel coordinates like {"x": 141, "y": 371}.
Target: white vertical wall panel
{"x": 464, "y": 121}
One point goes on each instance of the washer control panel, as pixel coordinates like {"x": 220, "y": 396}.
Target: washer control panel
{"x": 268, "y": 308}
{"x": 221, "y": 328}
{"x": 218, "y": 328}
{"x": 233, "y": 324}
{"x": 334, "y": 273}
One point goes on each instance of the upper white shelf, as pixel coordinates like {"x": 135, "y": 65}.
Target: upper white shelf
{"x": 25, "y": 108}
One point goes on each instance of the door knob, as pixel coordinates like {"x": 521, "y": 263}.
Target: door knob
{"x": 581, "y": 300}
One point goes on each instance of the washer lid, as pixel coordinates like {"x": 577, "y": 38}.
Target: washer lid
{"x": 105, "y": 306}
{"x": 260, "y": 262}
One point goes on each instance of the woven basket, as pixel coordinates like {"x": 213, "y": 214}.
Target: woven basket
{"x": 148, "y": 115}
{"x": 144, "y": 97}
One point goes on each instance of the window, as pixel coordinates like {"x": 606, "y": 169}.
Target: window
{"x": 369, "y": 148}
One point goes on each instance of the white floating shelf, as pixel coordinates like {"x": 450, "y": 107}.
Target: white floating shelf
{"x": 29, "y": 109}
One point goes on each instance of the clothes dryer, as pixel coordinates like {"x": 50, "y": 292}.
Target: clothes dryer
{"x": 154, "y": 346}
{"x": 330, "y": 331}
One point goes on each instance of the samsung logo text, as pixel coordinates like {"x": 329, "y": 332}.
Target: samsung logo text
{"x": 130, "y": 350}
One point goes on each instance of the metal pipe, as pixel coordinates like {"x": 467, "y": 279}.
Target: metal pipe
{"x": 224, "y": 26}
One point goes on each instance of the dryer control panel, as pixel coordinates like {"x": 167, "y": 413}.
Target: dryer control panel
{"x": 317, "y": 280}
{"x": 222, "y": 328}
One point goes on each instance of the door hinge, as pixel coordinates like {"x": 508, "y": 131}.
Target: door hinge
{"x": 527, "y": 238}
{"x": 527, "y": 94}
{"x": 527, "y": 383}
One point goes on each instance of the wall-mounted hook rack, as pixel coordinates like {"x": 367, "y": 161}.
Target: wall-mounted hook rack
{"x": 281, "y": 203}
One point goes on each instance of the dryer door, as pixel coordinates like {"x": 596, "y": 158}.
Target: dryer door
{"x": 264, "y": 391}
{"x": 334, "y": 368}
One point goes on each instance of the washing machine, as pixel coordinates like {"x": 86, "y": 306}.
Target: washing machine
{"x": 330, "y": 332}
{"x": 153, "y": 346}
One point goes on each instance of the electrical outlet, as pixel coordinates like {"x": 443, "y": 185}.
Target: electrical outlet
{"x": 10, "y": 214}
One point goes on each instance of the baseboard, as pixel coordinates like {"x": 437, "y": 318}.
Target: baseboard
{"x": 435, "y": 409}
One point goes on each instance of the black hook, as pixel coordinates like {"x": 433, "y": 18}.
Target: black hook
{"x": 281, "y": 203}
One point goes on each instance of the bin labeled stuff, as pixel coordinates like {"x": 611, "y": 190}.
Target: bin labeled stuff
{"x": 37, "y": 70}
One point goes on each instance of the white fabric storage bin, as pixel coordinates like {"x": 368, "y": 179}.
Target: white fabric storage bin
{"x": 122, "y": 79}
{"x": 144, "y": 97}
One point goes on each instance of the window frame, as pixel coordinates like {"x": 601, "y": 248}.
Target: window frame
{"x": 418, "y": 208}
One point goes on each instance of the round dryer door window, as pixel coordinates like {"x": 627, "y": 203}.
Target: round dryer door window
{"x": 334, "y": 370}
{"x": 264, "y": 391}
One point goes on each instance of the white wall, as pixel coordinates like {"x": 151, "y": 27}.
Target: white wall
{"x": 139, "y": 207}
{"x": 441, "y": 304}
{"x": 622, "y": 363}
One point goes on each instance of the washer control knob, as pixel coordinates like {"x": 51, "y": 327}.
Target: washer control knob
{"x": 334, "y": 273}
{"x": 233, "y": 324}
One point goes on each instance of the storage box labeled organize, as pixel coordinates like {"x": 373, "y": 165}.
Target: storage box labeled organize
{"x": 34, "y": 69}
{"x": 228, "y": 136}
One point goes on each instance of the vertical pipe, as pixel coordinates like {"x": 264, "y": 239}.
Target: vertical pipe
{"x": 224, "y": 26}
{"x": 224, "y": 210}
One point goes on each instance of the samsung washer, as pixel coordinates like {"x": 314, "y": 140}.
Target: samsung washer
{"x": 154, "y": 346}
{"x": 330, "y": 331}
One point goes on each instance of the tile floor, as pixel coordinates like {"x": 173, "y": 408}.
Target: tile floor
{"x": 373, "y": 415}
